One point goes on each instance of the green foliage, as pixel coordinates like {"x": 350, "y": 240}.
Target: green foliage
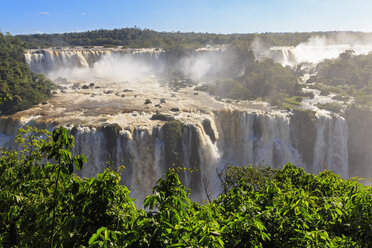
{"x": 18, "y": 85}
{"x": 230, "y": 88}
{"x": 293, "y": 102}
{"x": 333, "y": 107}
{"x": 44, "y": 204}
{"x": 257, "y": 176}
{"x": 266, "y": 80}
{"x": 136, "y": 37}
{"x": 303, "y": 210}
{"x": 346, "y": 70}
{"x": 350, "y": 74}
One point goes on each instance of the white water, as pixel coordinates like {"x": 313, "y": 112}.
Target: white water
{"x": 132, "y": 64}
{"x": 243, "y": 135}
{"x": 96, "y": 63}
{"x": 331, "y": 149}
{"x": 314, "y": 50}
{"x": 241, "y": 138}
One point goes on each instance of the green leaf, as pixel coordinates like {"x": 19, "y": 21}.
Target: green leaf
{"x": 93, "y": 238}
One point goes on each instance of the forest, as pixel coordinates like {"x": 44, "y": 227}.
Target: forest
{"x": 44, "y": 204}
{"x": 18, "y": 84}
{"x": 142, "y": 38}
{"x": 264, "y": 80}
{"x": 349, "y": 74}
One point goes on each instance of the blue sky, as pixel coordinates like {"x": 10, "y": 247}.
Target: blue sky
{"x": 214, "y": 16}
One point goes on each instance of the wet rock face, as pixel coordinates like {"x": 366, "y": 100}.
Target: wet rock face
{"x": 111, "y": 133}
{"x": 257, "y": 127}
{"x": 303, "y": 134}
{"x": 207, "y": 126}
{"x": 162, "y": 117}
{"x": 172, "y": 131}
{"x": 193, "y": 159}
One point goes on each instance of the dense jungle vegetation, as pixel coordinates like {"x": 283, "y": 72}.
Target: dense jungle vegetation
{"x": 44, "y": 204}
{"x": 18, "y": 84}
{"x": 350, "y": 75}
{"x": 140, "y": 38}
{"x": 261, "y": 79}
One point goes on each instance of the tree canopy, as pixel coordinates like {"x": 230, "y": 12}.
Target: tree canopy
{"x": 18, "y": 84}
{"x": 43, "y": 203}
{"x": 142, "y": 38}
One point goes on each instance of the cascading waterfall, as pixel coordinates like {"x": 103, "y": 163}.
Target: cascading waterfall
{"x": 117, "y": 63}
{"x": 254, "y": 138}
{"x": 207, "y": 142}
{"x": 91, "y": 143}
{"x": 210, "y": 164}
{"x": 230, "y": 138}
{"x": 283, "y": 55}
{"x": 95, "y": 62}
{"x": 240, "y": 138}
{"x": 46, "y": 60}
{"x": 314, "y": 51}
{"x": 139, "y": 154}
{"x": 331, "y": 150}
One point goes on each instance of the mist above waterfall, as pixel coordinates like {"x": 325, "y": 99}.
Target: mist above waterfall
{"x": 260, "y": 49}
{"x": 210, "y": 64}
{"x": 315, "y": 50}
{"x": 207, "y": 64}
{"x": 110, "y": 67}
{"x": 198, "y": 66}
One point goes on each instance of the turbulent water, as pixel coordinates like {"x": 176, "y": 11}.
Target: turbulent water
{"x": 131, "y": 64}
{"x": 231, "y": 138}
{"x": 109, "y": 126}
{"x": 84, "y": 64}
{"x": 310, "y": 53}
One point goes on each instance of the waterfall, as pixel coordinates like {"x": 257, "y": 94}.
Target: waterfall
{"x": 94, "y": 63}
{"x": 331, "y": 146}
{"x": 233, "y": 138}
{"x": 116, "y": 64}
{"x": 91, "y": 143}
{"x": 46, "y": 60}
{"x": 283, "y": 55}
{"x": 205, "y": 146}
{"x": 313, "y": 51}
{"x": 210, "y": 161}
{"x": 255, "y": 138}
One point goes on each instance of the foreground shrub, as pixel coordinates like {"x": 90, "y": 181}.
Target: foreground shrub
{"x": 43, "y": 204}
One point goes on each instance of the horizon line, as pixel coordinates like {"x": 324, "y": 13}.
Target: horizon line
{"x": 188, "y": 32}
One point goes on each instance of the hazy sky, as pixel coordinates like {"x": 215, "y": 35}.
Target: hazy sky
{"x": 214, "y": 16}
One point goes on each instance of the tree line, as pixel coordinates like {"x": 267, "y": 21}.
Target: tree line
{"x": 143, "y": 38}
{"x": 19, "y": 86}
